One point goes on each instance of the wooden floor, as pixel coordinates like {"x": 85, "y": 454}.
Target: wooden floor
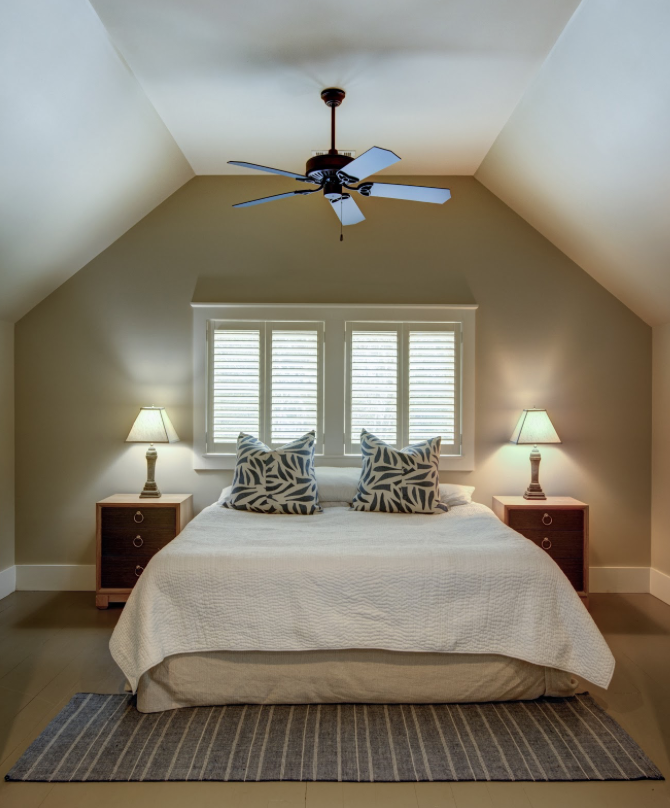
{"x": 55, "y": 644}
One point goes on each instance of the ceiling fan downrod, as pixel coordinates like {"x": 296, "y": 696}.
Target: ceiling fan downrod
{"x": 332, "y": 97}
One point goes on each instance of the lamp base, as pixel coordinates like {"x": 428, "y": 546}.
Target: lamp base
{"x": 150, "y": 492}
{"x": 534, "y": 494}
{"x": 151, "y": 489}
{"x": 534, "y": 490}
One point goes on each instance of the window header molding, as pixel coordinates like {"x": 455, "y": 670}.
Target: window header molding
{"x": 321, "y": 306}
{"x": 335, "y": 316}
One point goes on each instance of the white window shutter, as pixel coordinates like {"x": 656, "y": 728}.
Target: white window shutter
{"x": 295, "y": 369}
{"x": 373, "y": 382}
{"x": 431, "y": 386}
{"x": 235, "y": 384}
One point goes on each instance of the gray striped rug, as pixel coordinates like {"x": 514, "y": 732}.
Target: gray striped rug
{"x": 102, "y": 738}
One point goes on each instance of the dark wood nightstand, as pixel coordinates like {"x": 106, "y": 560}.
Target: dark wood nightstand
{"x": 129, "y": 531}
{"x": 560, "y": 526}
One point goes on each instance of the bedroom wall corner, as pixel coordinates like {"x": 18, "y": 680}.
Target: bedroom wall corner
{"x": 7, "y": 570}
{"x": 660, "y": 460}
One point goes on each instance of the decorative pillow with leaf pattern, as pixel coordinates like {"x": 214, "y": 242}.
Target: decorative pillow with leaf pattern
{"x": 399, "y": 481}
{"x": 274, "y": 480}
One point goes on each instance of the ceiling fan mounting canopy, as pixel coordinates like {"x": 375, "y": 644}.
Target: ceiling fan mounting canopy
{"x": 333, "y": 96}
{"x": 327, "y": 172}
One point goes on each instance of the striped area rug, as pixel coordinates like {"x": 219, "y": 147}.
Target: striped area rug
{"x": 103, "y": 738}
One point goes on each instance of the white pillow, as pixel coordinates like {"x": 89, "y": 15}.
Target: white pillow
{"x": 223, "y": 496}
{"x": 337, "y": 484}
{"x": 456, "y": 494}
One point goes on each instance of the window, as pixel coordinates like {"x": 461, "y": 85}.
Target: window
{"x": 402, "y": 383}
{"x": 265, "y": 379}
{"x": 405, "y": 373}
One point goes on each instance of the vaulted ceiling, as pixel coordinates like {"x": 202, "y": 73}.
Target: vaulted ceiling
{"x": 585, "y": 156}
{"x": 561, "y": 111}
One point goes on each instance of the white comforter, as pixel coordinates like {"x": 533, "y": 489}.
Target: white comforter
{"x": 459, "y": 582}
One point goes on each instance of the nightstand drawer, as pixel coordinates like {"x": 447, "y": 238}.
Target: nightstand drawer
{"x": 567, "y": 550}
{"x": 540, "y": 519}
{"x": 157, "y": 523}
{"x": 122, "y": 572}
{"x": 134, "y": 543}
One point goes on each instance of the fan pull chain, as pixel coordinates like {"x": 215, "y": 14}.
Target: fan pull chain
{"x": 341, "y": 204}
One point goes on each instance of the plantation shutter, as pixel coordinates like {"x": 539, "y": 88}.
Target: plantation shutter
{"x": 403, "y": 383}
{"x": 264, "y": 379}
{"x": 431, "y": 378}
{"x": 295, "y": 381}
{"x": 235, "y": 384}
{"x": 373, "y": 382}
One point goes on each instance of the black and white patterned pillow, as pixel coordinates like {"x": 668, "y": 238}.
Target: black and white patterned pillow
{"x": 394, "y": 481}
{"x": 275, "y": 480}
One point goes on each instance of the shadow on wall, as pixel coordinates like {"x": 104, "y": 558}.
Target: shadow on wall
{"x": 237, "y": 286}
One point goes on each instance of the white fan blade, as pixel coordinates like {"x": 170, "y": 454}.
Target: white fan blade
{"x": 369, "y": 163}
{"x": 279, "y": 171}
{"x": 271, "y": 198}
{"x": 413, "y": 193}
{"x": 347, "y": 210}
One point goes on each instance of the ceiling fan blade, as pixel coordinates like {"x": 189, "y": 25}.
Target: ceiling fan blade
{"x": 347, "y": 210}
{"x": 369, "y": 163}
{"x": 279, "y": 171}
{"x": 413, "y": 193}
{"x": 272, "y": 198}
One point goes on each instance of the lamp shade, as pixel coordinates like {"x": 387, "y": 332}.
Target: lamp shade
{"x": 534, "y": 426}
{"x": 152, "y": 425}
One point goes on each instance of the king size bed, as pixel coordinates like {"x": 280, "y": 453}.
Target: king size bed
{"x": 352, "y": 606}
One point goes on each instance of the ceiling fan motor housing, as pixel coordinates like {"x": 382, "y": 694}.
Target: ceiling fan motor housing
{"x": 323, "y": 169}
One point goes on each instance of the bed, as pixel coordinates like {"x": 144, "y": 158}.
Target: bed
{"x": 349, "y": 606}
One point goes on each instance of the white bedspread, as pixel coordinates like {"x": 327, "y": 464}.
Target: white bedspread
{"x": 459, "y": 582}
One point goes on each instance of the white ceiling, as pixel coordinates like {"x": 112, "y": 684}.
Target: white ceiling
{"x": 585, "y": 156}
{"x": 432, "y": 80}
{"x": 83, "y": 154}
{"x": 102, "y": 122}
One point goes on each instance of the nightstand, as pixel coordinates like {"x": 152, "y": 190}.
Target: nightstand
{"x": 560, "y": 526}
{"x": 129, "y": 531}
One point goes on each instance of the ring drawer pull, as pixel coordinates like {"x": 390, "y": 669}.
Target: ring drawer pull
{"x": 138, "y": 541}
{"x": 546, "y": 543}
{"x": 546, "y": 519}
{"x": 141, "y": 519}
{"x": 141, "y": 570}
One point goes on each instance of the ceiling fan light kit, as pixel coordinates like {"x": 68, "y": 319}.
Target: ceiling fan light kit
{"x": 335, "y": 173}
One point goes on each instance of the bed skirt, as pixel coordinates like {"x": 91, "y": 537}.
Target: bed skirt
{"x": 346, "y": 676}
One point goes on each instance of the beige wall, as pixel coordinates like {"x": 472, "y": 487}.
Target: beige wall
{"x": 118, "y": 335}
{"x": 6, "y": 445}
{"x": 660, "y": 511}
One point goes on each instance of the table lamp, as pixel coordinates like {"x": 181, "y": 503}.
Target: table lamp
{"x": 151, "y": 426}
{"x": 534, "y": 427}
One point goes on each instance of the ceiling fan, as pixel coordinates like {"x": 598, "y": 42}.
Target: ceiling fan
{"x": 334, "y": 174}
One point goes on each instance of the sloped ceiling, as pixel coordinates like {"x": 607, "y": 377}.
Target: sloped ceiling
{"x": 584, "y": 157}
{"x": 432, "y": 80}
{"x": 102, "y": 122}
{"x": 83, "y": 153}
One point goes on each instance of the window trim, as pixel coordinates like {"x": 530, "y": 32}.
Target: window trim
{"x": 334, "y": 363}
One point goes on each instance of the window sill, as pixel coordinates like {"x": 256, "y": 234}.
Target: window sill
{"x": 226, "y": 462}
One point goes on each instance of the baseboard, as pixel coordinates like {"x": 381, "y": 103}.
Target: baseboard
{"x": 7, "y": 582}
{"x": 55, "y": 577}
{"x": 659, "y": 585}
{"x": 81, "y": 578}
{"x": 619, "y": 579}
